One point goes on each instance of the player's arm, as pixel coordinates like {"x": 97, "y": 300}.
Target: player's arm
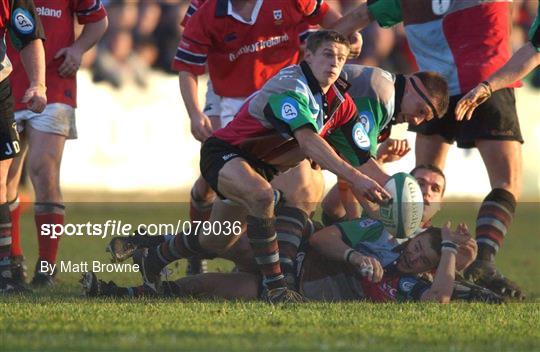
{"x": 443, "y": 282}
{"x": 201, "y": 126}
{"x": 329, "y": 242}
{"x": 356, "y": 20}
{"x": 316, "y": 148}
{"x": 526, "y": 59}
{"x": 90, "y": 35}
{"x": 27, "y": 36}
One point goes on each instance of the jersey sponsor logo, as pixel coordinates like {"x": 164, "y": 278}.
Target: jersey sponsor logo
{"x": 360, "y": 136}
{"x": 47, "y": 12}
{"x": 228, "y": 156}
{"x": 258, "y": 46}
{"x": 387, "y": 288}
{"x": 366, "y": 118}
{"x": 406, "y": 284}
{"x": 23, "y": 21}
{"x": 440, "y": 7}
{"x": 289, "y": 109}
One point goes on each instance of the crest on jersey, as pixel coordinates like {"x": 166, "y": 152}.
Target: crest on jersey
{"x": 289, "y": 109}
{"x": 360, "y": 137}
{"x": 278, "y": 15}
{"x": 440, "y": 7}
{"x": 23, "y": 21}
{"x": 406, "y": 284}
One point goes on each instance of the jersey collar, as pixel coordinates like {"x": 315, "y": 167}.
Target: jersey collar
{"x": 225, "y": 8}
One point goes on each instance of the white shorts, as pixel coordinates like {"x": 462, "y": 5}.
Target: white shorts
{"x": 57, "y": 118}
{"x": 225, "y": 108}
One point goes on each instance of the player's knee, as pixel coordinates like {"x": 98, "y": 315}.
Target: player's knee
{"x": 261, "y": 196}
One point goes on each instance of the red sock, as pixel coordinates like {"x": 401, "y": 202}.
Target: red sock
{"x": 15, "y": 210}
{"x": 48, "y": 213}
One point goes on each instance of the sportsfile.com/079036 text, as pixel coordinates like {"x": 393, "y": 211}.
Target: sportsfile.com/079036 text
{"x": 119, "y": 228}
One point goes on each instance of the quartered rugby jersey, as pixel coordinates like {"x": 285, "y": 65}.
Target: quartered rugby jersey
{"x": 373, "y": 92}
{"x": 323, "y": 279}
{"x": 242, "y": 55}
{"x": 264, "y": 127}
{"x": 20, "y": 19}
{"x": 58, "y": 18}
{"x": 464, "y": 40}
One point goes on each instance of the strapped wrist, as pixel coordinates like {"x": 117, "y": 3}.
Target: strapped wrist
{"x": 347, "y": 255}
{"x": 488, "y": 87}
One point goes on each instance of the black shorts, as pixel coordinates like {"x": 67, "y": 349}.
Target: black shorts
{"x": 215, "y": 153}
{"x": 496, "y": 119}
{"x": 10, "y": 145}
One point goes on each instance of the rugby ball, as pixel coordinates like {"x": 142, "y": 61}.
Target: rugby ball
{"x": 402, "y": 215}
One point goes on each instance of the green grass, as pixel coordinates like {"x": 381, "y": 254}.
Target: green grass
{"x": 60, "y": 319}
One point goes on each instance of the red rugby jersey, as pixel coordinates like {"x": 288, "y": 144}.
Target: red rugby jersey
{"x": 241, "y": 57}
{"x": 58, "y": 19}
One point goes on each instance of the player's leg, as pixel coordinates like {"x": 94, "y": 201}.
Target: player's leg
{"x": 9, "y": 148}
{"x": 206, "y": 286}
{"x": 202, "y": 196}
{"x": 503, "y": 163}
{"x": 431, "y": 150}
{"x": 494, "y": 129}
{"x": 303, "y": 188}
{"x": 18, "y": 267}
{"x": 44, "y": 157}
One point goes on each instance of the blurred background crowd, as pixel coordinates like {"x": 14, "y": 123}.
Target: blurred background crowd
{"x": 143, "y": 36}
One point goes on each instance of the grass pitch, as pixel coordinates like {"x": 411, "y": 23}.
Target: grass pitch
{"x": 59, "y": 319}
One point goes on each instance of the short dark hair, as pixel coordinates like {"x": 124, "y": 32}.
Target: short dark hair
{"x": 437, "y": 88}
{"x": 316, "y": 39}
{"x": 430, "y": 167}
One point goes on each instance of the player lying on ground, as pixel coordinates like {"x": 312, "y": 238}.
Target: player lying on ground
{"x": 355, "y": 260}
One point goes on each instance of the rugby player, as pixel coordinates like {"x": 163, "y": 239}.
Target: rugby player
{"x": 356, "y": 260}
{"x": 43, "y": 134}
{"x": 19, "y": 17}
{"x": 274, "y": 131}
{"x": 243, "y": 44}
{"x": 439, "y": 34}
{"x": 383, "y": 100}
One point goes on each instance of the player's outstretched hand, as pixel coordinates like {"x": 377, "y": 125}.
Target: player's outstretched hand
{"x": 72, "y": 61}
{"x": 466, "y": 105}
{"x": 367, "y": 266}
{"x": 201, "y": 127}
{"x": 371, "y": 190}
{"x": 460, "y": 236}
{"x": 35, "y": 98}
{"x": 392, "y": 150}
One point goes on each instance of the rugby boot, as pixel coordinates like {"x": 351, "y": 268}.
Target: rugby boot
{"x": 9, "y": 286}
{"x": 18, "y": 269}
{"x": 42, "y": 279}
{"x": 93, "y": 287}
{"x": 484, "y": 273}
{"x": 151, "y": 277}
{"x": 122, "y": 248}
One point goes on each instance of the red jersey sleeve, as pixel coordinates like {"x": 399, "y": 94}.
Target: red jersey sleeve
{"x": 192, "y": 52}
{"x": 89, "y": 11}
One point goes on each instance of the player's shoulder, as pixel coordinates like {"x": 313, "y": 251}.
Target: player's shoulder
{"x": 290, "y": 78}
{"x": 370, "y": 82}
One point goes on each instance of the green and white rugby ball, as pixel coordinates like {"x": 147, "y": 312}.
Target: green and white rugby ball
{"x": 403, "y": 213}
